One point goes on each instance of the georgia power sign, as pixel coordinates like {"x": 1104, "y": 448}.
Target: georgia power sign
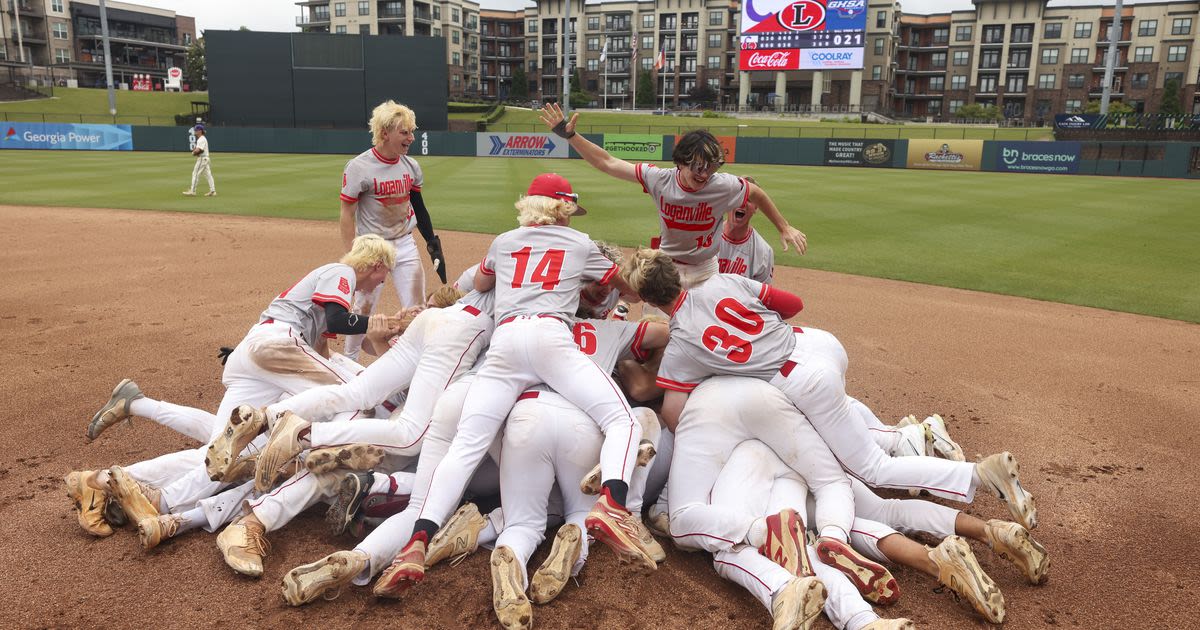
{"x": 63, "y": 136}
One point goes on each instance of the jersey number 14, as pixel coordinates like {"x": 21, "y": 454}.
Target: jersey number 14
{"x": 546, "y": 271}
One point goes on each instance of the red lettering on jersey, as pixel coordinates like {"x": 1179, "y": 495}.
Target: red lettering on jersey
{"x": 681, "y": 217}
{"x": 343, "y": 180}
{"x": 344, "y": 286}
{"x": 736, "y": 266}
{"x": 393, "y": 192}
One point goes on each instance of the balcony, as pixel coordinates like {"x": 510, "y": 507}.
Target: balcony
{"x": 28, "y": 9}
{"x": 1098, "y": 90}
{"x": 1120, "y": 67}
{"x": 28, "y": 36}
{"x": 693, "y": 25}
{"x": 390, "y": 15}
{"x": 320, "y": 19}
{"x": 617, "y": 27}
{"x": 422, "y": 16}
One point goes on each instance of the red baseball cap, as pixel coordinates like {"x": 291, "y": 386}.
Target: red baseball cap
{"x": 555, "y": 186}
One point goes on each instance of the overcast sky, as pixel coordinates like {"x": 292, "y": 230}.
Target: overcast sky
{"x": 280, "y": 15}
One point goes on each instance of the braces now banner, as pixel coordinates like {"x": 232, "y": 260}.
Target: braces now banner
{"x": 67, "y": 137}
{"x": 1038, "y": 157}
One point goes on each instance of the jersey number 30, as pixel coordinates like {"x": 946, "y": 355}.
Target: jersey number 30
{"x": 546, "y": 272}
{"x": 734, "y": 313}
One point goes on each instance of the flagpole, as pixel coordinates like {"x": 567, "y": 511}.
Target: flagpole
{"x": 633, "y": 72}
{"x": 604, "y": 60}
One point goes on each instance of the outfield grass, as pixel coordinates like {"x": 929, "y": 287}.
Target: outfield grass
{"x": 88, "y": 105}
{"x": 1126, "y": 244}
{"x": 516, "y": 119}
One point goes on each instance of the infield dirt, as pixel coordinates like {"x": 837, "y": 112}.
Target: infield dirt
{"x": 1099, "y": 407}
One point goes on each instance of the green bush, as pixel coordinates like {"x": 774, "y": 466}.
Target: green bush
{"x": 708, "y": 113}
{"x": 469, "y": 108}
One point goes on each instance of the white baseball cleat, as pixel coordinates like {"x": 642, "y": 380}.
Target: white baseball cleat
{"x": 1000, "y": 474}
{"x": 959, "y": 571}
{"x": 325, "y": 577}
{"x": 939, "y": 438}
{"x": 508, "y": 594}
{"x": 798, "y": 605}
{"x": 550, "y": 578}
{"x": 1013, "y": 543}
{"x": 911, "y": 442}
{"x": 116, "y": 409}
{"x": 152, "y": 531}
{"x": 458, "y": 537}
{"x": 283, "y": 446}
{"x": 188, "y": 193}
{"x": 245, "y": 423}
{"x": 244, "y": 544}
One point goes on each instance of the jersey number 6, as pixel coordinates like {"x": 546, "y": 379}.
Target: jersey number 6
{"x": 734, "y": 313}
{"x": 547, "y": 271}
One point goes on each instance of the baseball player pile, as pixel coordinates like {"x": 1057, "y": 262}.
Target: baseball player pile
{"x": 717, "y": 425}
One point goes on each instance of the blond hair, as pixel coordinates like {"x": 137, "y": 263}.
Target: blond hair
{"x": 443, "y": 296}
{"x": 653, "y": 275}
{"x": 610, "y": 251}
{"x": 538, "y": 210}
{"x": 369, "y": 250}
{"x": 390, "y": 115}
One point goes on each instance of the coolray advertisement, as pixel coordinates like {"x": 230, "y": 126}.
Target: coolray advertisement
{"x": 65, "y": 136}
{"x": 1038, "y": 157}
{"x": 851, "y": 152}
{"x": 802, "y": 34}
{"x": 529, "y": 145}
{"x": 636, "y": 147}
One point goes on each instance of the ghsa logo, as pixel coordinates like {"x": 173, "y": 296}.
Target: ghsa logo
{"x": 847, "y": 8}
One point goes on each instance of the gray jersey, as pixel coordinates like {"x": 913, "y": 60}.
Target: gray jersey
{"x": 689, "y": 221}
{"x": 723, "y": 327}
{"x": 303, "y": 305}
{"x": 484, "y": 303}
{"x": 603, "y": 308}
{"x": 607, "y": 341}
{"x": 381, "y": 188}
{"x": 540, "y": 269}
{"x": 751, "y": 257}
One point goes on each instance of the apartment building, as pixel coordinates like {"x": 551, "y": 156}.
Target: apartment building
{"x": 455, "y": 20}
{"x": 63, "y": 38}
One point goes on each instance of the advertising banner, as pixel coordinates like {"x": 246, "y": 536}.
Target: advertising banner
{"x": 174, "y": 78}
{"x": 728, "y": 144}
{"x": 851, "y": 152}
{"x": 1038, "y": 157}
{"x": 634, "y": 147}
{"x": 802, "y": 34}
{"x": 528, "y": 145}
{"x": 946, "y": 155}
{"x": 65, "y": 136}
{"x": 1076, "y": 121}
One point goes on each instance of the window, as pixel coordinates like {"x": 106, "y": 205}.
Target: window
{"x": 60, "y": 30}
{"x": 647, "y": 41}
{"x": 437, "y": 31}
{"x": 340, "y": 29}
{"x": 989, "y": 59}
{"x": 993, "y": 34}
{"x": 935, "y": 106}
{"x": 881, "y": 19}
{"x": 455, "y": 59}
{"x": 647, "y": 20}
{"x": 531, "y": 26}
{"x": 187, "y": 39}
{"x": 1140, "y": 80}
{"x": 457, "y": 78}
{"x": 437, "y": 12}
{"x": 955, "y": 104}
{"x": 1143, "y": 54}
{"x": 1074, "y": 105}
{"x": 962, "y": 33}
{"x": 716, "y": 18}
{"x": 1147, "y": 28}
{"x": 531, "y": 45}
{"x": 364, "y": 8}
{"x": 1053, "y": 31}
{"x": 1083, "y": 30}
{"x": 647, "y": 62}
{"x": 962, "y": 57}
{"x": 958, "y": 82}
{"x": 1173, "y": 76}
{"x": 714, "y": 61}
{"x": 668, "y": 43}
{"x": 987, "y": 83}
{"x": 1018, "y": 58}
{"x": 1176, "y": 53}
{"x": 593, "y": 43}
{"x": 876, "y": 73}
{"x": 454, "y": 15}
{"x": 937, "y": 60}
{"x": 1075, "y": 80}
{"x": 339, "y": 10}
{"x": 1181, "y": 26}
{"x": 669, "y": 85}
{"x": 1022, "y": 33}
{"x": 1015, "y": 83}
{"x": 714, "y": 40}
{"x": 878, "y": 45}
{"x": 56, "y": 6}
{"x": 686, "y": 85}
{"x": 364, "y": 29}
{"x": 941, "y": 35}
{"x": 1079, "y": 55}
{"x": 61, "y": 55}
{"x": 456, "y": 37}
{"x": 689, "y": 64}
{"x": 594, "y": 23}
{"x": 714, "y": 83}
{"x": 1047, "y": 81}
{"x": 667, "y": 22}
{"x": 593, "y": 65}
{"x": 1049, "y": 56}
{"x": 937, "y": 84}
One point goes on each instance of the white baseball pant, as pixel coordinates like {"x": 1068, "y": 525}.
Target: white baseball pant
{"x": 194, "y": 423}
{"x": 408, "y": 277}
{"x": 203, "y": 165}
{"x": 525, "y": 352}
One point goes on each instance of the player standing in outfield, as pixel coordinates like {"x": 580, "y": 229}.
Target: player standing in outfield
{"x": 692, "y": 198}
{"x": 202, "y": 164}
{"x": 381, "y": 194}
{"x": 743, "y": 251}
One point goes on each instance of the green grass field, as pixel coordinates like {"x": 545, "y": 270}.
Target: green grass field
{"x": 88, "y": 105}
{"x": 1126, "y": 244}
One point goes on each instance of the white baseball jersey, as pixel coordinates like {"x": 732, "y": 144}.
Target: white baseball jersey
{"x": 303, "y": 305}
{"x": 202, "y": 144}
{"x": 540, "y": 269}
{"x": 484, "y": 302}
{"x": 722, "y": 327}
{"x": 751, "y": 257}
{"x": 689, "y": 221}
{"x": 381, "y": 188}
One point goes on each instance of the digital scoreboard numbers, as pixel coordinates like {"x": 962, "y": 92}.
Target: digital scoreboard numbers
{"x": 802, "y": 34}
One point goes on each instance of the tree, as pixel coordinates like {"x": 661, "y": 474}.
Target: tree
{"x": 195, "y": 72}
{"x": 520, "y": 85}
{"x": 975, "y": 111}
{"x": 1115, "y": 108}
{"x": 579, "y": 98}
{"x": 645, "y": 88}
{"x": 702, "y": 94}
{"x": 1170, "y": 99}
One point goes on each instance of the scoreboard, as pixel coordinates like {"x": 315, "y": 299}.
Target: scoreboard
{"x": 802, "y": 34}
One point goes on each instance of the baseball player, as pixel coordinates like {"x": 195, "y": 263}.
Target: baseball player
{"x": 743, "y": 251}
{"x": 734, "y": 325}
{"x": 381, "y": 194}
{"x": 692, "y": 198}
{"x": 203, "y": 165}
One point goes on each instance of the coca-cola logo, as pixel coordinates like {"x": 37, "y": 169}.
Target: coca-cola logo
{"x": 778, "y": 59}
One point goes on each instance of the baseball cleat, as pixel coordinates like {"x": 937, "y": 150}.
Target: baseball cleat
{"x": 798, "y": 605}
{"x": 959, "y": 571}
{"x": 116, "y": 409}
{"x": 406, "y": 569}
{"x": 550, "y": 578}
{"x": 189, "y": 193}
{"x": 242, "y": 469}
{"x": 939, "y": 439}
{"x": 785, "y": 543}
{"x": 872, "y": 579}
{"x": 350, "y": 457}
{"x": 325, "y": 577}
{"x": 282, "y": 447}
{"x": 211, "y": 193}
{"x": 137, "y": 500}
{"x": 891, "y": 624}
{"x": 591, "y": 482}
{"x": 508, "y": 594}
{"x": 458, "y": 537}
{"x": 659, "y": 523}
{"x": 646, "y": 452}
{"x": 244, "y": 544}
{"x": 1001, "y": 475}
{"x": 90, "y": 500}
{"x": 1013, "y": 543}
{"x": 152, "y": 531}
{"x": 245, "y": 423}
{"x": 614, "y": 526}
{"x": 351, "y": 491}
{"x": 653, "y": 549}
{"x": 910, "y": 442}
